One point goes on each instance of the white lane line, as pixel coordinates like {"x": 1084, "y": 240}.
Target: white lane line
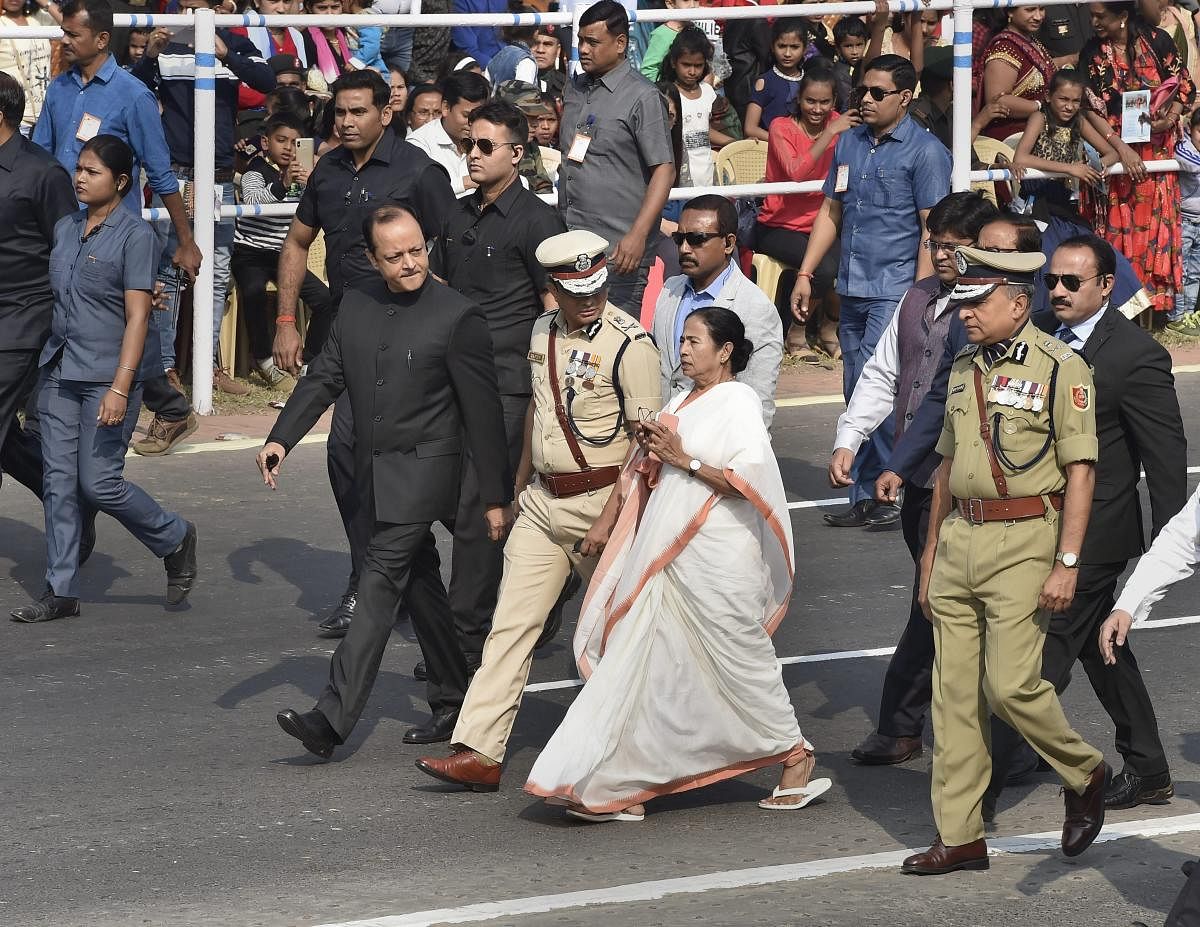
{"x": 817, "y": 503}
{"x": 748, "y": 878}
{"x": 237, "y": 444}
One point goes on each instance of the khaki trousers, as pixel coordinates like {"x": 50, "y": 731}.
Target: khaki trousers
{"x": 988, "y": 634}
{"x": 538, "y": 559}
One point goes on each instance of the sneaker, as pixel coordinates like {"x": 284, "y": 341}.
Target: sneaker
{"x": 173, "y": 379}
{"x": 225, "y": 383}
{"x": 273, "y": 377}
{"x": 162, "y": 436}
{"x": 1187, "y": 326}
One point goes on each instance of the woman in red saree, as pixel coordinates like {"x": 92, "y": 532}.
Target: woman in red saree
{"x": 1139, "y": 216}
{"x": 1016, "y": 71}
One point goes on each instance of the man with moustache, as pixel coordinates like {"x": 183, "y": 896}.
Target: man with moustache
{"x": 415, "y": 360}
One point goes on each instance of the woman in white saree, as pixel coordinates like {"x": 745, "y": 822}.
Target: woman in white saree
{"x": 683, "y": 686}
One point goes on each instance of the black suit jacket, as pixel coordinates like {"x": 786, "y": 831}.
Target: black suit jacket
{"x": 419, "y": 372}
{"x": 1138, "y": 426}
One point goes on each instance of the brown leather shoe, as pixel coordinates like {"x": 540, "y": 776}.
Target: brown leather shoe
{"x": 940, "y": 859}
{"x": 463, "y": 768}
{"x": 1085, "y": 813}
{"x": 882, "y": 750}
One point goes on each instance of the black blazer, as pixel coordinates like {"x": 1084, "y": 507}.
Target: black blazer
{"x": 1138, "y": 426}
{"x": 419, "y": 371}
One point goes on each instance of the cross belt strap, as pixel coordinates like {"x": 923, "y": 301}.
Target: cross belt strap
{"x": 985, "y": 432}
{"x": 978, "y": 511}
{"x": 559, "y": 411}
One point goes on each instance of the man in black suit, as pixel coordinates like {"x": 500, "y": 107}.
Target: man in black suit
{"x": 1139, "y": 426}
{"x": 415, "y": 359}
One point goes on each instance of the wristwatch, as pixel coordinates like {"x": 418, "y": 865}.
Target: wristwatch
{"x": 1070, "y": 561}
{"x": 694, "y": 467}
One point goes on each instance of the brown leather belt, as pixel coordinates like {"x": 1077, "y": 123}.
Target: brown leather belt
{"x": 977, "y": 511}
{"x": 563, "y": 485}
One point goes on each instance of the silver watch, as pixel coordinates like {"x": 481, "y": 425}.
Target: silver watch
{"x": 1070, "y": 561}
{"x": 694, "y": 467}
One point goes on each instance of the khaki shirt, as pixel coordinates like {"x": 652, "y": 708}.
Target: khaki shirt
{"x": 1020, "y": 432}
{"x": 594, "y": 410}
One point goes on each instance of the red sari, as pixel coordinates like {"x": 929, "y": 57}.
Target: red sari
{"x": 1141, "y": 220}
{"x": 1034, "y": 67}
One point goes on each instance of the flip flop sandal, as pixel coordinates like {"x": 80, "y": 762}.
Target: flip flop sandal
{"x": 622, "y": 816}
{"x": 813, "y": 790}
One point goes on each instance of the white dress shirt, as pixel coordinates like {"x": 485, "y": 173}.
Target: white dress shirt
{"x": 1083, "y": 330}
{"x": 874, "y": 395}
{"x": 1171, "y": 558}
{"x": 433, "y": 139}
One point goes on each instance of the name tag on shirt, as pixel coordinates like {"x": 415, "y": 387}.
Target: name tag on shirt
{"x": 579, "y": 147}
{"x": 841, "y": 182}
{"x": 89, "y": 127}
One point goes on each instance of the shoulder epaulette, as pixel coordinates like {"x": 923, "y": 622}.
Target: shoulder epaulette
{"x": 968, "y": 351}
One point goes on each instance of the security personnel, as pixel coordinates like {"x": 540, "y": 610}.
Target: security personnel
{"x": 1009, "y": 512}
{"x": 595, "y": 371}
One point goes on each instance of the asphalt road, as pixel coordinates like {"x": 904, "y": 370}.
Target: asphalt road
{"x": 144, "y": 780}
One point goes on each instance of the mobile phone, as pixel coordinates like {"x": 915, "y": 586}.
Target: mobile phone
{"x": 857, "y": 95}
{"x": 304, "y": 153}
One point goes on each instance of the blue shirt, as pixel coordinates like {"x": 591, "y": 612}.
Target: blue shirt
{"x": 480, "y": 42}
{"x": 887, "y": 183}
{"x": 125, "y": 107}
{"x": 692, "y": 301}
{"x": 89, "y": 277}
{"x": 776, "y": 96}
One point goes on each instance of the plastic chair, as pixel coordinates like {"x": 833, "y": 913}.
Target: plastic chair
{"x": 987, "y": 150}
{"x": 742, "y": 162}
{"x": 767, "y": 272}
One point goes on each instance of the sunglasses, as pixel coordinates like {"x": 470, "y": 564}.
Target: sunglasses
{"x": 878, "y": 94}
{"x": 1071, "y": 281}
{"x": 694, "y": 239}
{"x": 485, "y": 145}
{"x": 933, "y": 246}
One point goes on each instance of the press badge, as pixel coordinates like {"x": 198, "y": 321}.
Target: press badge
{"x": 579, "y": 147}
{"x": 89, "y": 127}
{"x": 841, "y": 182}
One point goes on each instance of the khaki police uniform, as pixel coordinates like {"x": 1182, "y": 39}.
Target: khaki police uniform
{"x": 995, "y": 551}
{"x": 563, "y": 502}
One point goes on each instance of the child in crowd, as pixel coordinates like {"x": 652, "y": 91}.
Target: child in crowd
{"x": 687, "y": 64}
{"x": 515, "y": 59}
{"x": 1184, "y": 319}
{"x": 135, "y": 50}
{"x": 850, "y": 39}
{"x": 775, "y": 91}
{"x": 275, "y": 176}
{"x": 1053, "y": 140}
{"x": 662, "y": 38}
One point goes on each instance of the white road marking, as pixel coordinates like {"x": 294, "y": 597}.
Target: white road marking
{"x": 237, "y": 444}
{"x": 748, "y": 878}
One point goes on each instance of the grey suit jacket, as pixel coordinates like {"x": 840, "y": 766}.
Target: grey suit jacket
{"x": 763, "y": 328}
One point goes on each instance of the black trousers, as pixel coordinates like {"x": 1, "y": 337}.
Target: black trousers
{"x": 252, "y": 270}
{"x": 20, "y": 448}
{"x": 1074, "y": 635}
{"x": 908, "y": 683}
{"x": 401, "y": 562}
{"x": 357, "y": 509}
{"x": 478, "y": 561}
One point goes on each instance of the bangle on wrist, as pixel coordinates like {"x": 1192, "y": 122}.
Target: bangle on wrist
{"x": 804, "y": 273}
{"x": 113, "y": 389}
{"x": 123, "y": 367}
{"x": 284, "y": 318}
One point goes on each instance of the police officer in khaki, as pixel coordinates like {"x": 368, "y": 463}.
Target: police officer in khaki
{"x": 1010, "y": 508}
{"x": 595, "y": 371}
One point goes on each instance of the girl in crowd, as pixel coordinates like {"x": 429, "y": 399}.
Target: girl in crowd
{"x": 801, "y": 148}
{"x": 775, "y": 90}
{"x": 688, "y": 63}
{"x": 102, "y": 269}
{"x": 1017, "y": 69}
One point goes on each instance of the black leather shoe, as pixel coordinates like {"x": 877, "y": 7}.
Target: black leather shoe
{"x": 48, "y": 608}
{"x": 884, "y": 517}
{"x": 87, "y": 541}
{"x": 882, "y": 750}
{"x": 1128, "y": 790}
{"x": 420, "y": 673}
{"x": 181, "y": 568}
{"x": 853, "y": 517}
{"x": 439, "y": 728}
{"x": 312, "y": 729}
{"x": 337, "y": 623}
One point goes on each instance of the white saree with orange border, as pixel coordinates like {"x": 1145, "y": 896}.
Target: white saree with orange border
{"x": 683, "y": 686}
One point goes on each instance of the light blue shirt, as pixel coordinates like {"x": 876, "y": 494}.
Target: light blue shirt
{"x": 1082, "y": 330}
{"x": 692, "y": 301}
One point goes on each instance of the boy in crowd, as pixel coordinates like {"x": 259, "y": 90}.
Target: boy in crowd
{"x": 274, "y": 176}
{"x": 850, "y": 37}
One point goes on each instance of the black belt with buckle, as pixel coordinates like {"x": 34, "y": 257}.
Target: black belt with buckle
{"x": 187, "y": 172}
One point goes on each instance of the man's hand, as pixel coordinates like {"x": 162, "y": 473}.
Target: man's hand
{"x": 288, "y": 349}
{"x": 927, "y": 558}
{"x": 156, "y": 42}
{"x": 221, "y": 48}
{"x": 839, "y": 467}
{"x": 1059, "y": 589}
{"x": 594, "y": 541}
{"x": 269, "y": 460}
{"x": 499, "y": 521}
{"x": 188, "y": 258}
{"x": 888, "y": 486}
{"x": 802, "y": 298}
{"x": 628, "y": 256}
{"x": 1113, "y": 633}
{"x": 158, "y": 297}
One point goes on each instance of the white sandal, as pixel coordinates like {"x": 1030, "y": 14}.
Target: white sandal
{"x": 813, "y": 790}
{"x": 622, "y": 816}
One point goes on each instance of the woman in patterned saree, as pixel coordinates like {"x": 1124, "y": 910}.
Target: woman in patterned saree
{"x": 1016, "y": 70}
{"x": 1140, "y": 215}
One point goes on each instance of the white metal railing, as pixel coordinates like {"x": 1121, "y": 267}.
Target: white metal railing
{"x": 206, "y": 23}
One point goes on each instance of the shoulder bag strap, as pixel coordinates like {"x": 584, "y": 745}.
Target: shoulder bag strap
{"x": 985, "y": 432}
{"x": 559, "y": 411}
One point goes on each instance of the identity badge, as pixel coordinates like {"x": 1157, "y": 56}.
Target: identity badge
{"x": 841, "y": 183}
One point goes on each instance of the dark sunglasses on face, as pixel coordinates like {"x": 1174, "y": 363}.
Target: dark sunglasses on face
{"x": 1071, "y": 281}
{"x": 485, "y": 145}
{"x": 878, "y": 94}
{"x": 694, "y": 239}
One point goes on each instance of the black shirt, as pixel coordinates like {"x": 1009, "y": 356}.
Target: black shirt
{"x": 1065, "y": 29}
{"x": 489, "y": 258}
{"x": 35, "y": 192}
{"x": 339, "y": 197}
